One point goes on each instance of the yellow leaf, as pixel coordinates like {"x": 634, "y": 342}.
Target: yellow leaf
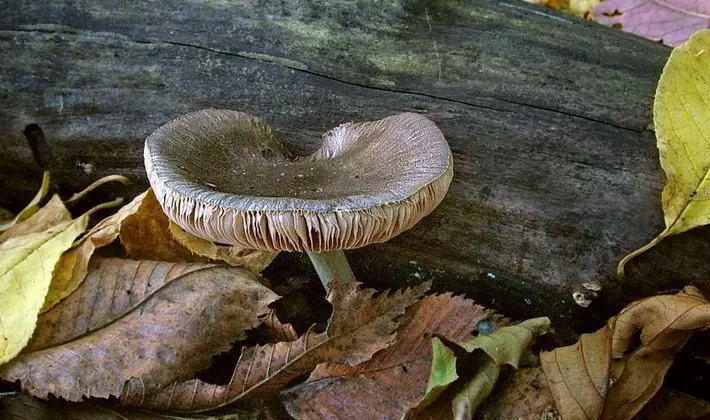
{"x": 581, "y": 7}
{"x": 681, "y": 116}
{"x": 32, "y": 207}
{"x": 52, "y": 214}
{"x": 26, "y": 266}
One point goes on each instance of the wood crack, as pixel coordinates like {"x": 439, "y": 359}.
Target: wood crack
{"x": 301, "y": 67}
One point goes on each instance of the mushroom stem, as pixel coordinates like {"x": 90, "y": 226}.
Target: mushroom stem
{"x": 331, "y": 265}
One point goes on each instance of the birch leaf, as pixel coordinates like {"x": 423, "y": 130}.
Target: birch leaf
{"x": 26, "y": 266}
{"x": 681, "y": 115}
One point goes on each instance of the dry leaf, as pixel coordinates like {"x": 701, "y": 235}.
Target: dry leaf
{"x": 148, "y": 234}
{"x": 520, "y": 394}
{"x": 670, "y": 21}
{"x": 271, "y": 330}
{"x": 73, "y": 266}
{"x": 682, "y": 119}
{"x": 51, "y": 214}
{"x": 395, "y": 379}
{"x": 32, "y": 207}
{"x": 26, "y": 266}
{"x": 157, "y": 321}
{"x": 25, "y": 407}
{"x": 237, "y": 256}
{"x": 524, "y": 394}
{"x": 612, "y": 373}
{"x": 145, "y": 234}
{"x": 360, "y": 326}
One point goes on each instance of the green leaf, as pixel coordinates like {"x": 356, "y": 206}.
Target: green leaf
{"x": 508, "y": 344}
{"x": 443, "y": 372}
{"x": 505, "y": 346}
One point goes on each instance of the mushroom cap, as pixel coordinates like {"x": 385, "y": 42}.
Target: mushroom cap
{"x": 224, "y": 176}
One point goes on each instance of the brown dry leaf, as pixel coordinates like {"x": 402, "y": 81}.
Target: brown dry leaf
{"x": 148, "y": 234}
{"x": 73, "y": 266}
{"x": 359, "y": 327}
{"x": 524, "y": 394}
{"x": 25, "y": 407}
{"x": 612, "y": 373}
{"x": 520, "y": 394}
{"x": 237, "y": 256}
{"x": 51, "y": 214}
{"x": 157, "y": 321}
{"x": 394, "y": 380}
{"x": 145, "y": 234}
{"x": 272, "y": 330}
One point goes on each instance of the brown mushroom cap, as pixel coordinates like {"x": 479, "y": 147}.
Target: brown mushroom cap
{"x": 224, "y": 176}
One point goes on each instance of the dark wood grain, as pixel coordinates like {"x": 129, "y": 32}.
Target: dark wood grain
{"x": 556, "y": 173}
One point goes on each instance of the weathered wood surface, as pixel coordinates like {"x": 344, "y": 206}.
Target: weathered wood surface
{"x": 556, "y": 173}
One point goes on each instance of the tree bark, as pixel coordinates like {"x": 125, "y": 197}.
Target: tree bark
{"x": 556, "y": 170}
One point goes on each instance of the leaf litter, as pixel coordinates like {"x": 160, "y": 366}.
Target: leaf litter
{"x": 377, "y": 353}
{"x": 359, "y": 326}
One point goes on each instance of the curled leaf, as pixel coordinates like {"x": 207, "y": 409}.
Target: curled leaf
{"x": 94, "y": 185}
{"x": 612, "y": 373}
{"x": 505, "y": 346}
{"x": 148, "y": 234}
{"x": 32, "y": 207}
{"x": 51, "y": 214}
{"x": 681, "y": 116}
{"x": 156, "y": 321}
{"x": 236, "y": 256}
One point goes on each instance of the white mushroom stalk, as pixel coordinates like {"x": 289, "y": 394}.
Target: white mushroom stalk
{"x": 224, "y": 176}
{"x": 331, "y": 266}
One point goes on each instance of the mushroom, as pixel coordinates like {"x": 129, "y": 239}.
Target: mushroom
{"x": 224, "y": 176}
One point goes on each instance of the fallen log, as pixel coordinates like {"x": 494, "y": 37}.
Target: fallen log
{"x": 556, "y": 170}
